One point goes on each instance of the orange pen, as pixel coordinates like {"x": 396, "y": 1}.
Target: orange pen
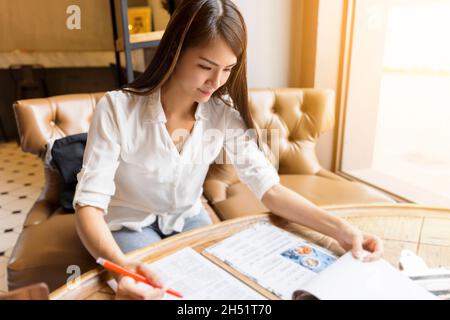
{"x": 118, "y": 269}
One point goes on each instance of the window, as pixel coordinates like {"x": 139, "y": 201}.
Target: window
{"x": 396, "y": 132}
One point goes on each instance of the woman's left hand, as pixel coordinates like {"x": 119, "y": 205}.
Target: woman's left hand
{"x": 351, "y": 238}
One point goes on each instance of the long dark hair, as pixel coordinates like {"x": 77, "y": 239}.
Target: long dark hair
{"x": 195, "y": 23}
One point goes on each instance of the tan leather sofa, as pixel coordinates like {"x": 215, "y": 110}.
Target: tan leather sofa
{"x": 49, "y": 243}
{"x": 299, "y": 116}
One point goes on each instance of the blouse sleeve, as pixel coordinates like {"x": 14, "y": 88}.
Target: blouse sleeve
{"x": 252, "y": 167}
{"x": 100, "y": 160}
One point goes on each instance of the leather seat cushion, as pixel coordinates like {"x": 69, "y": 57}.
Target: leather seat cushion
{"x": 44, "y": 252}
{"x": 321, "y": 191}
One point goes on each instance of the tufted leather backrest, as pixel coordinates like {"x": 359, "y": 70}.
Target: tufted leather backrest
{"x": 293, "y": 119}
{"x": 298, "y": 116}
{"x": 39, "y": 120}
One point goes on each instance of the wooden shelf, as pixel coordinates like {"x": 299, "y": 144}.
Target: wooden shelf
{"x": 141, "y": 40}
{"x": 146, "y": 36}
{"x": 126, "y": 42}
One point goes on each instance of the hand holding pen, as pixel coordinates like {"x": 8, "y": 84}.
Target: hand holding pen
{"x": 128, "y": 280}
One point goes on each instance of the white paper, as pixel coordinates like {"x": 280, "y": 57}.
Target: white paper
{"x": 267, "y": 255}
{"x": 352, "y": 279}
{"x": 275, "y": 259}
{"x": 195, "y": 277}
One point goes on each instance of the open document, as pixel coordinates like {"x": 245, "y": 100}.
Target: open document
{"x": 195, "y": 277}
{"x": 283, "y": 263}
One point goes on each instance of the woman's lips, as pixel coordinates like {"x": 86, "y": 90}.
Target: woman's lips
{"x": 206, "y": 93}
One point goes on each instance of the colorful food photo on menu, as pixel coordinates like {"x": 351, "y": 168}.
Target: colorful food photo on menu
{"x": 309, "y": 257}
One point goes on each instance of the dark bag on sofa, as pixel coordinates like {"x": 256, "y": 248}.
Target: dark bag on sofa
{"x": 67, "y": 154}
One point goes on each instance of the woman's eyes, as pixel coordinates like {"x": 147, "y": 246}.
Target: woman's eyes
{"x": 203, "y": 67}
{"x": 208, "y": 68}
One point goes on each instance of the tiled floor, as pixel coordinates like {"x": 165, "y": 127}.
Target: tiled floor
{"x": 21, "y": 181}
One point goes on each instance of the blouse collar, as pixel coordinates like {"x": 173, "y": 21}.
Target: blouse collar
{"x": 156, "y": 112}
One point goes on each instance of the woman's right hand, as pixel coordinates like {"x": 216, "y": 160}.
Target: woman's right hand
{"x": 130, "y": 289}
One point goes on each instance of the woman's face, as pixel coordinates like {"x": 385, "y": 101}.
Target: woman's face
{"x": 201, "y": 71}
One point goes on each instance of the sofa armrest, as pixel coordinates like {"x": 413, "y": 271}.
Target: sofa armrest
{"x": 38, "y": 291}
{"x": 218, "y": 180}
{"x": 215, "y": 190}
{"x": 211, "y": 212}
{"x": 48, "y": 200}
{"x": 40, "y": 212}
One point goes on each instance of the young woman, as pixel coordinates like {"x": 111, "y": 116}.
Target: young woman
{"x": 146, "y": 156}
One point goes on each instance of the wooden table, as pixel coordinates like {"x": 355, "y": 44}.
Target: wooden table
{"x": 424, "y": 230}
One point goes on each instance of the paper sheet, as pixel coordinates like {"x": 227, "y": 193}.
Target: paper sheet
{"x": 195, "y": 277}
{"x": 274, "y": 258}
{"x": 352, "y": 279}
{"x": 283, "y": 263}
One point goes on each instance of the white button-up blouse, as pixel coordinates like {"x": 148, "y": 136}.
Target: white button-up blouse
{"x": 134, "y": 172}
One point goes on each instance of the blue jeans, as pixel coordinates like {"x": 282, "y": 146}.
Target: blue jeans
{"x": 129, "y": 240}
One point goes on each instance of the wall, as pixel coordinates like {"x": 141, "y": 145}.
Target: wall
{"x": 41, "y": 25}
{"x": 295, "y": 43}
{"x": 322, "y": 31}
{"x": 269, "y": 41}
{"x": 327, "y": 64}
{"x": 273, "y": 27}
{"x": 292, "y": 43}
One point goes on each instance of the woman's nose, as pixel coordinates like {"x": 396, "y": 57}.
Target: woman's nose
{"x": 214, "y": 81}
